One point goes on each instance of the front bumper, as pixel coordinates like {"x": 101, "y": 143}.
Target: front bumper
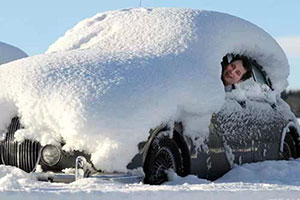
{"x": 84, "y": 169}
{"x": 68, "y": 178}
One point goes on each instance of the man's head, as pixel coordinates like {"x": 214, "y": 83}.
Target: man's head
{"x": 237, "y": 70}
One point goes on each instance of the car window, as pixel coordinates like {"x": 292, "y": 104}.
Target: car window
{"x": 259, "y": 75}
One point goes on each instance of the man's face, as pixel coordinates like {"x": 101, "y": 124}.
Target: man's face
{"x": 233, "y": 72}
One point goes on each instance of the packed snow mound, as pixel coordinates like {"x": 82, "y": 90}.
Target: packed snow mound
{"x": 9, "y": 53}
{"x": 142, "y": 32}
{"x": 281, "y": 172}
{"x": 273, "y": 172}
{"x": 111, "y": 78}
{"x": 12, "y": 178}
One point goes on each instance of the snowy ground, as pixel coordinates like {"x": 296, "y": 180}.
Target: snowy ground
{"x": 265, "y": 180}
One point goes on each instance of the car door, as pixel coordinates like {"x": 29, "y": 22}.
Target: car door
{"x": 230, "y": 128}
{"x": 268, "y": 116}
{"x": 229, "y": 141}
{"x": 267, "y": 126}
{"x": 234, "y": 130}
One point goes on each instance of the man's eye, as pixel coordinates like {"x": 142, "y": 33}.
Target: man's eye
{"x": 238, "y": 73}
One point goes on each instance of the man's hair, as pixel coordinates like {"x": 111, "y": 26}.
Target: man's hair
{"x": 245, "y": 60}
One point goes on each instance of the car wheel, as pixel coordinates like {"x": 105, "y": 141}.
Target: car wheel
{"x": 163, "y": 155}
{"x": 289, "y": 148}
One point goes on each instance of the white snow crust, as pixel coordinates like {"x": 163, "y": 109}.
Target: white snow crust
{"x": 263, "y": 180}
{"x": 114, "y": 76}
{"x": 9, "y": 53}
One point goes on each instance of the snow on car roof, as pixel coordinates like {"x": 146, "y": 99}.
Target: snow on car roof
{"x": 161, "y": 31}
{"x": 114, "y": 76}
{"x": 9, "y": 53}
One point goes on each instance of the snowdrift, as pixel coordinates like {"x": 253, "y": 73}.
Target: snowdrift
{"x": 111, "y": 78}
{"x": 265, "y": 180}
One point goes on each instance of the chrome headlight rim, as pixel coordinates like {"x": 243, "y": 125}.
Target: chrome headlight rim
{"x": 44, "y": 158}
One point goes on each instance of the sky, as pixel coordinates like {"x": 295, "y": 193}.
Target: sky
{"x": 33, "y": 25}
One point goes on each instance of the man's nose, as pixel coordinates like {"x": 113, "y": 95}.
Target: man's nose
{"x": 232, "y": 71}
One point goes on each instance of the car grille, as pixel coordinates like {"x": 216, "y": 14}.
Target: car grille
{"x": 24, "y": 155}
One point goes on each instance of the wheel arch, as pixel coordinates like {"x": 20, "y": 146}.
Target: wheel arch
{"x": 293, "y": 129}
{"x": 177, "y": 136}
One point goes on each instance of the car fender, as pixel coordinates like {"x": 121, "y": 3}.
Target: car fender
{"x": 293, "y": 128}
{"x": 153, "y": 133}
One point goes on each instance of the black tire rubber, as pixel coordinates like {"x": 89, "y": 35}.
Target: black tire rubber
{"x": 163, "y": 155}
{"x": 1, "y": 150}
{"x": 289, "y": 147}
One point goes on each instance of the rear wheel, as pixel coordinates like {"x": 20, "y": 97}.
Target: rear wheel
{"x": 163, "y": 155}
{"x": 289, "y": 147}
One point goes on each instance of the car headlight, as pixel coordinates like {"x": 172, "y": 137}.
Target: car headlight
{"x": 51, "y": 154}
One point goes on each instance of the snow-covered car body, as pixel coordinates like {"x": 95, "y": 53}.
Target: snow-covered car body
{"x": 98, "y": 91}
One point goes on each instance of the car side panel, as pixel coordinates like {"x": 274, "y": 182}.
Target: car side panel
{"x": 230, "y": 142}
{"x": 271, "y": 118}
{"x": 235, "y": 128}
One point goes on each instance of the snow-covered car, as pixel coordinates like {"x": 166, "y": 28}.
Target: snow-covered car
{"x": 92, "y": 99}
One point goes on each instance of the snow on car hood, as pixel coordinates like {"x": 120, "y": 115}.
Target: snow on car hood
{"x": 111, "y": 78}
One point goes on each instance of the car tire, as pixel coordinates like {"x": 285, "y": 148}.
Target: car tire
{"x": 289, "y": 147}
{"x": 163, "y": 155}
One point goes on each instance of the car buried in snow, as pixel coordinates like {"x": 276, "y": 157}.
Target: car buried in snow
{"x": 141, "y": 89}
